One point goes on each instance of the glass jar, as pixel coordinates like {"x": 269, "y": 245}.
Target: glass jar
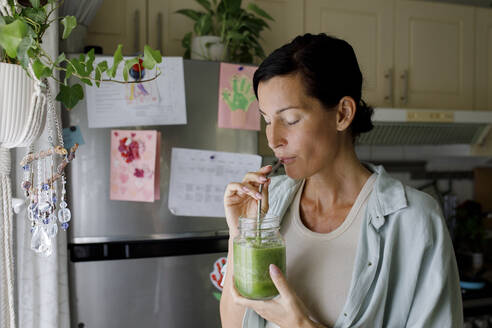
{"x": 255, "y": 248}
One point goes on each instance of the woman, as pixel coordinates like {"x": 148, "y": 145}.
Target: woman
{"x": 363, "y": 250}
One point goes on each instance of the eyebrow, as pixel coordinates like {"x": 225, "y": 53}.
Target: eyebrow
{"x": 281, "y": 110}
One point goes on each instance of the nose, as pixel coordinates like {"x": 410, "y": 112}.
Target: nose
{"x": 275, "y": 136}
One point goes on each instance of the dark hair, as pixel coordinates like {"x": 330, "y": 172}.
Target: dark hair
{"x": 329, "y": 68}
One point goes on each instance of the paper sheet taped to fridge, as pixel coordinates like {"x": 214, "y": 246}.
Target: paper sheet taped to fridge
{"x": 157, "y": 102}
{"x": 199, "y": 178}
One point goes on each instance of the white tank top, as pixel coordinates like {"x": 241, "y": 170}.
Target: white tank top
{"x": 319, "y": 265}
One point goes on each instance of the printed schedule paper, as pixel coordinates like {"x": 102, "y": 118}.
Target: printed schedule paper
{"x": 199, "y": 178}
{"x": 157, "y": 102}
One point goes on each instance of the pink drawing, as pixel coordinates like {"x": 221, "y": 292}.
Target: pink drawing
{"x": 135, "y": 165}
{"x": 238, "y": 107}
{"x": 123, "y": 177}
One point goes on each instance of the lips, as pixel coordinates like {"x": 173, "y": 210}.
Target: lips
{"x": 286, "y": 160}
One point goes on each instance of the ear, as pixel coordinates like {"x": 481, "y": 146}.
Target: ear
{"x": 345, "y": 113}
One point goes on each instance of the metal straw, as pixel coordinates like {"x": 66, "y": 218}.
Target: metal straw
{"x": 258, "y": 217}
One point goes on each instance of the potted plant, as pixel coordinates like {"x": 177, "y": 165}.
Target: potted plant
{"x": 470, "y": 238}
{"x": 226, "y": 27}
{"x": 22, "y": 26}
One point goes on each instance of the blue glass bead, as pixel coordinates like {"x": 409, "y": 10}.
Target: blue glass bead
{"x": 54, "y": 199}
{"x": 46, "y": 186}
{"x": 46, "y": 221}
{"x": 26, "y": 167}
{"x": 64, "y": 226}
{"x": 137, "y": 75}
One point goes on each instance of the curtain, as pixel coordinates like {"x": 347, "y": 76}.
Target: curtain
{"x": 42, "y": 282}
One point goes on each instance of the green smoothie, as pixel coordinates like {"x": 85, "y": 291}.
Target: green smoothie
{"x": 251, "y": 268}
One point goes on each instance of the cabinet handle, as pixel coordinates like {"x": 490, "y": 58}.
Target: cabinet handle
{"x": 159, "y": 32}
{"x": 136, "y": 23}
{"x": 389, "y": 77}
{"x": 404, "y": 94}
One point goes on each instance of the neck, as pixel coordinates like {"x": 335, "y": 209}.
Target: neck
{"x": 337, "y": 184}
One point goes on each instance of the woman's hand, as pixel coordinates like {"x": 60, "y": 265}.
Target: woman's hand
{"x": 285, "y": 310}
{"x": 241, "y": 198}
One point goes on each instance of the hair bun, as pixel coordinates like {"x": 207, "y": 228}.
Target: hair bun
{"x": 362, "y": 121}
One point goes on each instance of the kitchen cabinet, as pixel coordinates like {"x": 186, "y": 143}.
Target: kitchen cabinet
{"x": 483, "y": 67}
{"x": 368, "y": 27}
{"x": 434, "y": 55}
{"x": 136, "y": 23}
{"x": 412, "y": 53}
{"x": 289, "y": 20}
{"x": 118, "y": 21}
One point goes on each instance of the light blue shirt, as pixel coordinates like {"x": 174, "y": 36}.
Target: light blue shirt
{"x": 405, "y": 272}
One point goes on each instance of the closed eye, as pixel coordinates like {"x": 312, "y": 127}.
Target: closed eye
{"x": 292, "y": 123}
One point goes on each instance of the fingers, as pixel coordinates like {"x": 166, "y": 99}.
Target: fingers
{"x": 279, "y": 280}
{"x": 236, "y": 188}
{"x": 251, "y": 192}
{"x": 258, "y": 176}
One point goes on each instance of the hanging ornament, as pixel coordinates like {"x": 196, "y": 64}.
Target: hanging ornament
{"x": 40, "y": 185}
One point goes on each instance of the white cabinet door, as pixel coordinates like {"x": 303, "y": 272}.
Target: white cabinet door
{"x": 483, "y": 41}
{"x": 119, "y": 21}
{"x": 434, "y": 55}
{"x": 368, "y": 27}
{"x": 166, "y": 28}
{"x": 288, "y": 16}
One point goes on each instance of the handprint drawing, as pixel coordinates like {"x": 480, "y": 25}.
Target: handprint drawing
{"x": 241, "y": 96}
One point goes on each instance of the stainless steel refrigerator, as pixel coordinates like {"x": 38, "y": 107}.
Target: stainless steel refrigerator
{"x": 136, "y": 264}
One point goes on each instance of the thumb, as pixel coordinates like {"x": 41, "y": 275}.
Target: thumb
{"x": 279, "y": 280}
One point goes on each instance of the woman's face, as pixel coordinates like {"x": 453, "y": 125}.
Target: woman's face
{"x": 299, "y": 129}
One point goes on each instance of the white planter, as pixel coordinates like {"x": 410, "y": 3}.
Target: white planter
{"x": 16, "y": 94}
{"x": 207, "y": 47}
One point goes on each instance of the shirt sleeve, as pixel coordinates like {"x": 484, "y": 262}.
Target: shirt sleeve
{"x": 437, "y": 298}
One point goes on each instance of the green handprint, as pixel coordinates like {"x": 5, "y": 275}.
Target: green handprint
{"x": 242, "y": 95}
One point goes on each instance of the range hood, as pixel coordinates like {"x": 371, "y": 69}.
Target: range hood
{"x": 395, "y": 127}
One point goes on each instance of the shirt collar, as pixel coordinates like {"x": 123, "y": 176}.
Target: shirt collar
{"x": 388, "y": 196}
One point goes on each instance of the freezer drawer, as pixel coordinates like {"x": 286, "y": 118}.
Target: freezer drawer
{"x": 153, "y": 292}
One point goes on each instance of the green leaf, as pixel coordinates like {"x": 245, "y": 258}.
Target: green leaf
{"x": 40, "y": 70}
{"x": 70, "y": 96}
{"x": 78, "y": 66}
{"x": 260, "y": 12}
{"x": 217, "y": 295}
{"x": 128, "y": 64}
{"x": 193, "y": 14}
{"x": 186, "y": 43}
{"x": 233, "y": 35}
{"x": 69, "y": 23}
{"x": 36, "y": 14}
{"x": 259, "y": 52}
{"x": 69, "y": 72}
{"x": 117, "y": 58}
{"x": 100, "y": 68}
{"x": 151, "y": 57}
{"x": 205, "y": 4}
{"x": 232, "y": 6}
{"x": 204, "y": 25}
{"x": 11, "y": 36}
{"x": 89, "y": 64}
{"x": 34, "y": 3}
{"x": 23, "y": 49}
{"x": 61, "y": 58}
{"x": 86, "y": 81}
